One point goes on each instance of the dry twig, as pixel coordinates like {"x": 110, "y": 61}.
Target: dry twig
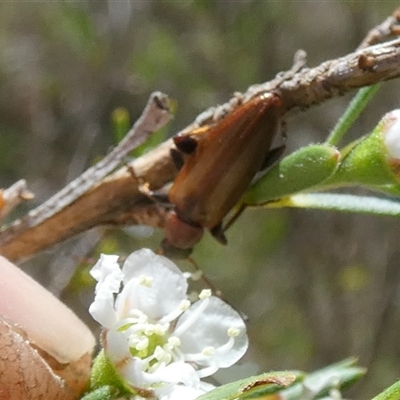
{"x": 116, "y": 199}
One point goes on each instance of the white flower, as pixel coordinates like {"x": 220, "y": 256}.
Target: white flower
{"x": 392, "y": 133}
{"x": 154, "y": 336}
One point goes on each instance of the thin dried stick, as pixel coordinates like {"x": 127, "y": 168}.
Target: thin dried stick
{"x": 390, "y": 27}
{"x": 155, "y": 115}
{"x": 117, "y": 200}
{"x": 312, "y": 86}
{"x": 12, "y": 196}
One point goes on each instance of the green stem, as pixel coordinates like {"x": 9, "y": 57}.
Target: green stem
{"x": 355, "y": 108}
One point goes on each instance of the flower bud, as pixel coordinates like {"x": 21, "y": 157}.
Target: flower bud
{"x": 302, "y": 170}
{"x": 373, "y": 161}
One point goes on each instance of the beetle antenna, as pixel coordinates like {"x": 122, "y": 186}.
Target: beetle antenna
{"x": 234, "y": 217}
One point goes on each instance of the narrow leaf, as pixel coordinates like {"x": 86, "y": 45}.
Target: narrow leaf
{"x": 321, "y": 382}
{"x": 342, "y": 202}
{"x": 353, "y": 111}
{"x": 253, "y": 387}
{"x": 391, "y": 393}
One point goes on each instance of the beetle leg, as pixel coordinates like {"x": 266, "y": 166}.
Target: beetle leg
{"x": 144, "y": 188}
{"x": 177, "y": 158}
{"x": 234, "y": 217}
{"x": 186, "y": 143}
{"x": 273, "y": 156}
{"x": 218, "y": 233}
{"x": 156, "y": 196}
{"x": 277, "y": 152}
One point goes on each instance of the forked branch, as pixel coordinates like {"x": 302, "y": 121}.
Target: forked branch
{"x": 97, "y": 198}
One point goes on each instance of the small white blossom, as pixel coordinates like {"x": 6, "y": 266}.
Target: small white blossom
{"x": 156, "y": 339}
{"x": 392, "y": 134}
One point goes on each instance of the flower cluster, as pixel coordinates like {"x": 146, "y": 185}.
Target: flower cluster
{"x": 155, "y": 338}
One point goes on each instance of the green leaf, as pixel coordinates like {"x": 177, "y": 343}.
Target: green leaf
{"x": 301, "y": 170}
{"x": 343, "y": 203}
{"x": 253, "y": 387}
{"x": 320, "y": 382}
{"x": 290, "y": 385}
{"x": 103, "y": 393}
{"x": 353, "y": 111}
{"x": 391, "y": 393}
{"x": 104, "y": 374}
{"x": 367, "y": 163}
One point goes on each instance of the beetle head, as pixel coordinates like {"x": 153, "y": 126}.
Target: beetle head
{"x": 180, "y": 236}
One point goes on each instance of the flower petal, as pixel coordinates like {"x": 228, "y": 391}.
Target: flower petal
{"x": 180, "y": 392}
{"x": 162, "y": 296}
{"x": 155, "y": 339}
{"x": 178, "y": 372}
{"x": 116, "y": 346}
{"x": 107, "y": 270}
{"x": 392, "y": 134}
{"x": 211, "y": 330}
{"x": 109, "y": 276}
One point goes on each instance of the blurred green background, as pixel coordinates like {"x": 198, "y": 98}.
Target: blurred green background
{"x": 316, "y": 286}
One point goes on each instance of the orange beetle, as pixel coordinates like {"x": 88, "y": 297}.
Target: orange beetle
{"x": 216, "y": 167}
